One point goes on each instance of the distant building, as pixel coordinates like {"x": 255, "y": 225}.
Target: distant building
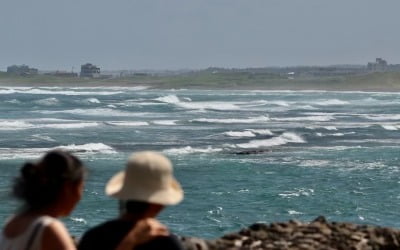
{"x": 89, "y": 70}
{"x": 22, "y": 70}
{"x": 379, "y": 65}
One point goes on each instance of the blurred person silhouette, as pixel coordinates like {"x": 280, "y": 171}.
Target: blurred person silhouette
{"x": 50, "y": 189}
{"x": 143, "y": 189}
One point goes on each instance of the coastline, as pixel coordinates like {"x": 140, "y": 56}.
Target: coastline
{"x": 376, "y": 82}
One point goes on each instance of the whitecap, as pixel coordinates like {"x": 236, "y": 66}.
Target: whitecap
{"x": 93, "y": 100}
{"x": 33, "y": 153}
{"x": 318, "y": 118}
{"x": 168, "y": 99}
{"x": 240, "y": 134}
{"x": 90, "y": 112}
{"x": 382, "y": 117}
{"x": 165, "y": 122}
{"x": 330, "y": 102}
{"x": 261, "y": 131}
{"x": 13, "y": 101}
{"x": 297, "y": 192}
{"x": 294, "y": 212}
{"x": 259, "y": 119}
{"x": 284, "y": 138}
{"x": 127, "y": 123}
{"x": 210, "y": 105}
{"x": 390, "y": 127}
{"x": 330, "y": 128}
{"x": 80, "y": 220}
{"x": 69, "y": 125}
{"x": 314, "y": 163}
{"x": 47, "y": 101}
{"x": 88, "y": 148}
{"x": 43, "y": 137}
{"x": 190, "y": 150}
{"x": 43, "y": 91}
{"x": 15, "y": 125}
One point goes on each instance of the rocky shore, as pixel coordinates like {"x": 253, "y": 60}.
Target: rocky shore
{"x": 295, "y": 235}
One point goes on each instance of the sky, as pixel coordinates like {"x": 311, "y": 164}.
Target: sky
{"x": 196, "y": 34}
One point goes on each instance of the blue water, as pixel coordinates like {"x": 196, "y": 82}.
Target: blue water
{"x": 241, "y": 156}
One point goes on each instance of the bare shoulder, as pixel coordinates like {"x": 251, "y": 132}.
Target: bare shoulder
{"x": 56, "y": 236}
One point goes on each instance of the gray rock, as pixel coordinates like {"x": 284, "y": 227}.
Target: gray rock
{"x": 294, "y": 235}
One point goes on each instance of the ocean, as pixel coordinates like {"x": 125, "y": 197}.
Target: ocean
{"x": 241, "y": 156}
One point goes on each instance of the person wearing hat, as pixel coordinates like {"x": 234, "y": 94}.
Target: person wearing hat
{"x": 143, "y": 189}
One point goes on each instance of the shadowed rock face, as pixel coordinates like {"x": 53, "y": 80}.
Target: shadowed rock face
{"x": 294, "y": 235}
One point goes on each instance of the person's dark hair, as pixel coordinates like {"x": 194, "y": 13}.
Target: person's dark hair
{"x": 133, "y": 207}
{"x": 39, "y": 184}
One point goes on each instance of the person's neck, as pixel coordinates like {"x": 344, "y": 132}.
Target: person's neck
{"x": 49, "y": 211}
{"x": 133, "y": 217}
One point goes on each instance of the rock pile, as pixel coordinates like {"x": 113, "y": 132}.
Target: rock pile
{"x": 294, "y": 235}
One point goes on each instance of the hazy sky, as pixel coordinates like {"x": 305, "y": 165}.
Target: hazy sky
{"x": 182, "y": 34}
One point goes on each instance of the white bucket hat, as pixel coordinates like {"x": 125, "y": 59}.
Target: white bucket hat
{"x": 148, "y": 177}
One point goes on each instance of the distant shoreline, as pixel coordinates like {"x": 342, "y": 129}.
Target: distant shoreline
{"x": 375, "y": 82}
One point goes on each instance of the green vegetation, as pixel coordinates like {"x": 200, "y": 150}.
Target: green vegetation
{"x": 388, "y": 81}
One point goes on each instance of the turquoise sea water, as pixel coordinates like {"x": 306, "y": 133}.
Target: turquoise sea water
{"x": 241, "y": 156}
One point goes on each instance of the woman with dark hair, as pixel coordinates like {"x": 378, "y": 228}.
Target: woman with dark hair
{"x": 50, "y": 189}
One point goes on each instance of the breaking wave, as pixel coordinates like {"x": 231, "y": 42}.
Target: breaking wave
{"x": 127, "y": 124}
{"x": 14, "y": 125}
{"x": 259, "y": 119}
{"x": 190, "y": 150}
{"x": 48, "y": 101}
{"x": 285, "y": 138}
{"x": 165, "y": 122}
{"x": 33, "y": 153}
{"x": 88, "y": 148}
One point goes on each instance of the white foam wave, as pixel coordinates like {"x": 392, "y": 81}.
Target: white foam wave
{"x": 21, "y": 153}
{"x": 294, "y": 212}
{"x": 15, "y": 125}
{"x": 297, "y": 192}
{"x": 93, "y": 100}
{"x": 261, "y": 131}
{"x": 48, "y": 101}
{"x": 13, "y": 101}
{"x": 79, "y": 220}
{"x": 314, "y": 163}
{"x": 88, "y": 148}
{"x": 390, "y": 127}
{"x": 33, "y": 153}
{"x": 43, "y": 137}
{"x": 210, "y": 105}
{"x": 382, "y": 117}
{"x": 330, "y": 128}
{"x": 330, "y": 102}
{"x": 240, "y": 134}
{"x": 264, "y": 102}
{"x": 57, "y": 91}
{"x": 69, "y": 125}
{"x": 128, "y": 124}
{"x": 90, "y": 112}
{"x": 165, "y": 122}
{"x": 259, "y": 119}
{"x": 306, "y": 107}
{"x": 318, "y": 118}
{"x": 285, "y": 138}
{"x": 168, "y": 99}
{"x": 190, "y": 150}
